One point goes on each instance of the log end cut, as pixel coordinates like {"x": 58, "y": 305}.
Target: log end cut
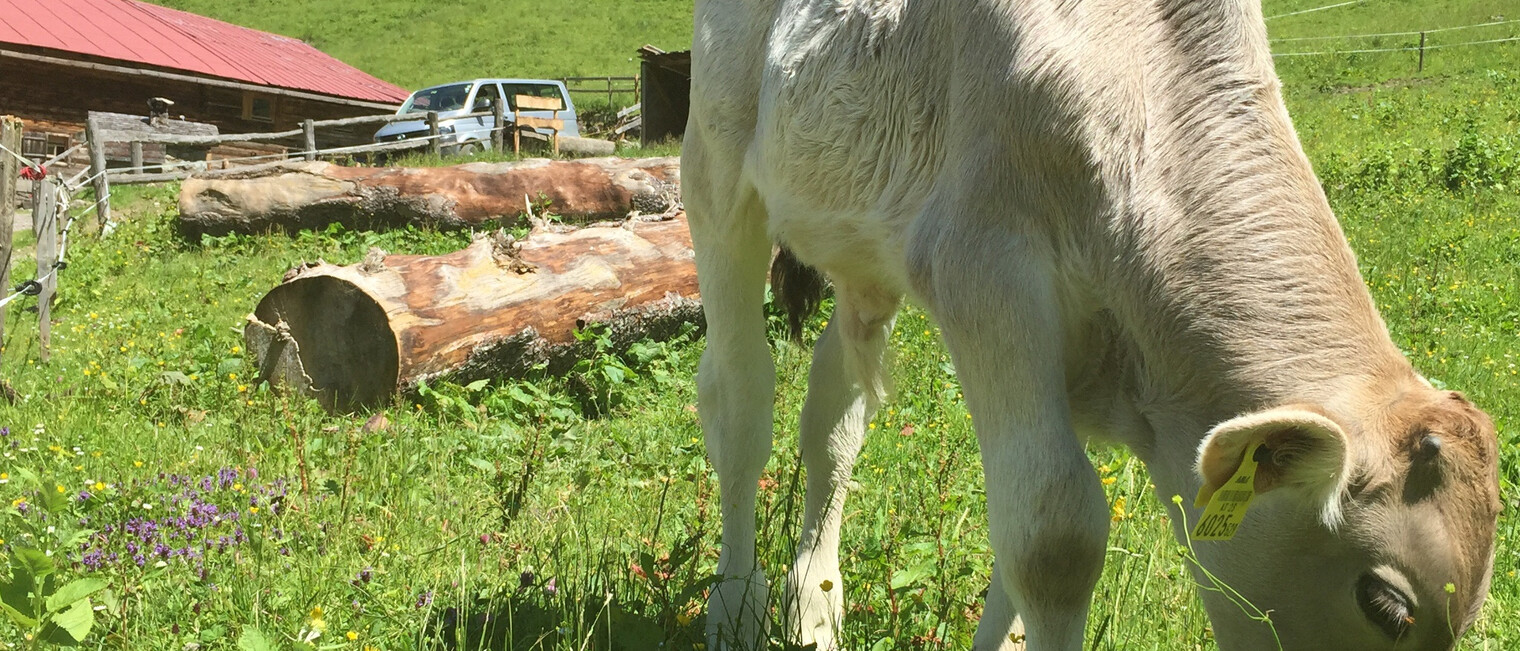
{"x": 326, "y": 338}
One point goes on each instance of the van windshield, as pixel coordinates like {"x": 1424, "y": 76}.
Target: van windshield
{"x": 442, "y": 98}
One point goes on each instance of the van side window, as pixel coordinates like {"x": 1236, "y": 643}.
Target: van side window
{"x": 536, "y": 90}
{"x": 485, "y": 96}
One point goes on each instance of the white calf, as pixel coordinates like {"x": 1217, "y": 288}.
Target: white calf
{"x": 1103, "y": 204}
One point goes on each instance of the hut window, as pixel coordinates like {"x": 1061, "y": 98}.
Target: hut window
{"x": 258, "y": 108}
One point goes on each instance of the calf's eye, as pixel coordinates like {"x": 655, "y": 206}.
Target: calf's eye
{"x": 1384, "y": 605}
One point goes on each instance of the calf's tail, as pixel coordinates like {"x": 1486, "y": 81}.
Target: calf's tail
{"x": 797, "y": 288}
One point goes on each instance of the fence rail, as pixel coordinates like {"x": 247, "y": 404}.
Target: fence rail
{"x": 606, "y": 84}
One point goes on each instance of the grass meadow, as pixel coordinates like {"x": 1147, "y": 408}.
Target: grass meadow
{"x": 144, "y": 476}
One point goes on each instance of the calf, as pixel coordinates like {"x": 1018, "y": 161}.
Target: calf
{"x": 1105, "y": 207}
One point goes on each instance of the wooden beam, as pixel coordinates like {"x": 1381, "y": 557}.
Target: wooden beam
{"x": 435, "y": 142}
{"x": 175, "y": 139}
{"x": 10, "y": 137}
{"x": 123, "y": 177}
{"x": 45, "y": 227}
{"x": 498, "y": 125}
{"x": 192, "y": 79}
{"x": 309, "y": 130}
{"x": 101, "y": 184}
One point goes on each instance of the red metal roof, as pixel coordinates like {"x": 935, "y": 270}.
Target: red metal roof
{"x": 144, "y": 33}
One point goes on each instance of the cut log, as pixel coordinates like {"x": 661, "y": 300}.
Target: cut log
{"x": 311, "y": 195}
{"x": 586, "y": 146}
{"x": 353, "y": 336}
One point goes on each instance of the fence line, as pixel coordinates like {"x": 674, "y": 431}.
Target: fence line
{"x": 1409, "y": 48}
{"x": 1310, "y": 11}
{"x": 1409, "y": 33}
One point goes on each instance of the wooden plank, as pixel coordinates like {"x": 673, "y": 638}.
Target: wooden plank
{"x": 175, "y": 139}
{"x": 101, "y": 184}
{"x": 540, "y": 123}
{"x": 536, "y": 103}
{"x": 45, "y": 227}
{"x": 10, "y": 137}
{"x": 109, "y": 121}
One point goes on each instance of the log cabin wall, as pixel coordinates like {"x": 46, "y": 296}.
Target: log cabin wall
{"x": 56, "y": 99}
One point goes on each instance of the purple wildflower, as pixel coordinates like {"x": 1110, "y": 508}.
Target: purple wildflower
{"x": 551, "y": 588}
{"x": 425, "y": 599}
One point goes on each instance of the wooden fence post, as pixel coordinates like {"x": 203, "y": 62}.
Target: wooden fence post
{"x": 309, "y": 127}
{"x": 1422, "y": 53}
{"x": 45, "y": 227}
{"x": 101, "y": 184}
{"x": 10, "y": 137}
{"x": 435, "y": 146}
{"x": 137, "y": 158}
{"x": 498, "y": 125}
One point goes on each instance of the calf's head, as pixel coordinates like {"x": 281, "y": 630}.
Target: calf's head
{"x": 1371, "y": 530}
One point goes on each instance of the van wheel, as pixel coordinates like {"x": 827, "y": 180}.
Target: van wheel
{"x": 469, "y": 149}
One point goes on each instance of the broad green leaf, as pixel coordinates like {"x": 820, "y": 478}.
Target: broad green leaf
{"x": 213, "y": 633}
{"x": 20, "y": 618}
{"x": 254, "y": 639}
{"x": 34, "y": 562}
{"x": 52, "y": 500}
{"x": 910, "y": 576}
{"x": 229, "y": 365}
{"x": 476, "y": 385}
{"x": 73, "y": 592}
{"x": 482, "y": 464}
{"x": 77, "y": 620}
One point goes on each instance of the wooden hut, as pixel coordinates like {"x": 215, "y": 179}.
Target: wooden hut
{"x": 62, "y": 59}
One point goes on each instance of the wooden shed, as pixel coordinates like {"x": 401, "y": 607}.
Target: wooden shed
{"x": 62, "y": 59}
{"x": 665, "y": 99}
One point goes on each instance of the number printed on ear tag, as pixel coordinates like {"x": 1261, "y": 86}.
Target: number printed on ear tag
{"x": 1227, "y": 506}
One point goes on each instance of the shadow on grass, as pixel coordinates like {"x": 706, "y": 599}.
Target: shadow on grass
{"x": 512, "y": 624}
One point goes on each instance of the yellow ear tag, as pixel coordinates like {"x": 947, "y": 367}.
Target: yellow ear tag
{"x": 1227, "y": 506}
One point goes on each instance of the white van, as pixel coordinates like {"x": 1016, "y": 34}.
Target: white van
{"x": 463, "y": 135}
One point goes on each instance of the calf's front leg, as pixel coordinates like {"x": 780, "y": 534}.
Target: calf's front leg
{"x": 998, "y": 308}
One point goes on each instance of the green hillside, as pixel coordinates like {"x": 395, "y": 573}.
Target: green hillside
{"x": 414, "y": 43}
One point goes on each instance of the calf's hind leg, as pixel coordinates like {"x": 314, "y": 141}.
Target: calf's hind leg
{"x": 845, "y": 385}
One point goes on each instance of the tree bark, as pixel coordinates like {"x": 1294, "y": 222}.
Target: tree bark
{"x": 353, "y": 336}
{"x": 311, "y": 195}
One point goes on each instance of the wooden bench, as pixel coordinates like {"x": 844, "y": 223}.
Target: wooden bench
{"x": 522, "y": 103}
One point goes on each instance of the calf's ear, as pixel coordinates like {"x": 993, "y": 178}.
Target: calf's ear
{"x": 1301, "y": 449}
